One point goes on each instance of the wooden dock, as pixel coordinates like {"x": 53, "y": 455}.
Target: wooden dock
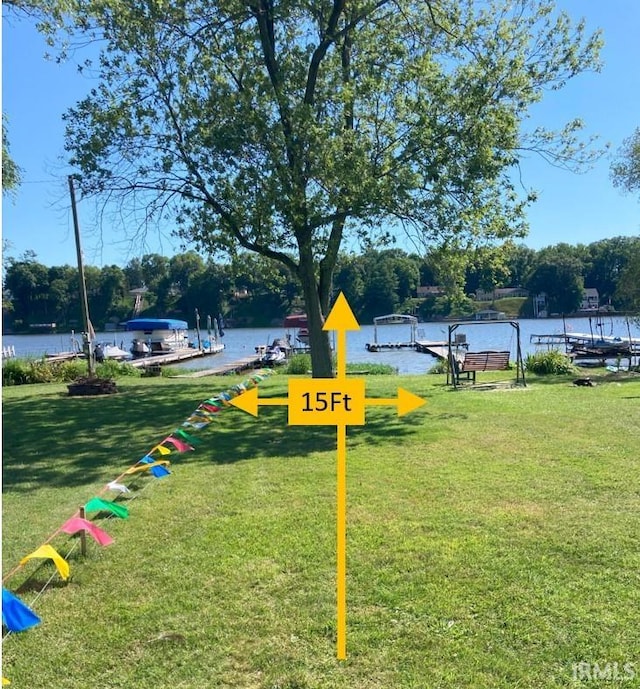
{"x": 170, "y": 358}
{"x": 224, "y": 369}
{"x": 437, "y": 349}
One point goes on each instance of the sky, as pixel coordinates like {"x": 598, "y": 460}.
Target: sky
{"x": 573, "y": 208}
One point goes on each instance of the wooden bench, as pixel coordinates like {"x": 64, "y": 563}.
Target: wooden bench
{"x": 479, "y": 361}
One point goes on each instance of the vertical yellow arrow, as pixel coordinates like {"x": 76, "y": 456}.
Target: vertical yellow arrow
{"x": 341, "y": 319}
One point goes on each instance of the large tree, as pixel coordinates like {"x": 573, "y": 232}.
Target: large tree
{"x": 280, "y": 126}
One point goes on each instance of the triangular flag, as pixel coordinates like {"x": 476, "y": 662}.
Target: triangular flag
{"x": 194, "y": 422}
{"x": 191, "y": 439}
{"x": 178, "y": 444}
{"x": 100, "y": 505}
{"x": 203, "y": 413}
{"x": 214, "y": 409}
{"x": 120, "y": 487}
{"x": 78, "y": 524}
{"x": 159, "y": 471}
{"x": 147, "y": 463}
{"x": 49, "y": 552}
{"x": 16, "y": 616}
{"x": 161, "y": 449}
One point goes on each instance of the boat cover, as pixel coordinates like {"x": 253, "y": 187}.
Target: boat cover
{"x": 156, "y": 324}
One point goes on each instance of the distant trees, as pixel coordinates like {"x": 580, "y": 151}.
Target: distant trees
{"x": 251, "y": 290}
{"x": 559, "y": 276}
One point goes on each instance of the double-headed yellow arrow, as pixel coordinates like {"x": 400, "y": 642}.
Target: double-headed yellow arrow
{"x": 335, "y": 401}
{"x": 405, "y": 402}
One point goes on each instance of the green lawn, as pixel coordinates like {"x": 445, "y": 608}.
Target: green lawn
{"x": 492, "y": 540}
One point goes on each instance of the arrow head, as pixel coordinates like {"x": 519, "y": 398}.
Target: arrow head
{"x": 247, "y": 401}
{"x": 407, "y": 401}
{"x": 341, "y": 316}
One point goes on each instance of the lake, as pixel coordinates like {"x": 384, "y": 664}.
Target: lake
{"x": 241, "y": 342}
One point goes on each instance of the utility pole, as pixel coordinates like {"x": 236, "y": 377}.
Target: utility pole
{"x": 87, "y": 336}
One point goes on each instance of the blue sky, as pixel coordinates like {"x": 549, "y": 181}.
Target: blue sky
{"x": 572, "y": 208}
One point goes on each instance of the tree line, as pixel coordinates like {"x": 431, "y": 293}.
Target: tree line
{"x": 250, "y": 290}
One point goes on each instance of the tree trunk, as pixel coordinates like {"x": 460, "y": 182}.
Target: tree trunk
{"x": 321, "y": 359}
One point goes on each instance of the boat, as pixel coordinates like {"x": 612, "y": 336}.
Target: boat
{"x": 299, "y": 323}
{"x": 275, "y": 353}
{"x": 158, "y": 336}
{"x": 105, "y": 350}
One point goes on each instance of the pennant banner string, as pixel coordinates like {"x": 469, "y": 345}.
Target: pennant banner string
{"x": 209, "y": 409}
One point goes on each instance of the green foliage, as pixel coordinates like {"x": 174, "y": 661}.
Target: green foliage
{"x": 558, "y": 273}
{"x": 307, "y": 126}
{"x": 298, "y": 364}
{"x": 372, "y": 369}
{"x": 11, "y": 173}
{"x": 550, "y": 362}
{"x": 625, "y": 170}
{"x": 31, "y": 371}
{"x": 15, "y": 372}
{"x": 116, "y": 369}
{"x": 439, "y": 367}
{"x": 254, "y": 291}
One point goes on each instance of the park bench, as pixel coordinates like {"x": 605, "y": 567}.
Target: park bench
{"x": 479, "y": 361}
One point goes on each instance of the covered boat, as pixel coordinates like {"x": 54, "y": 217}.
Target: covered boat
{"x": 157, "y": 335}
{"x": 300, "y": 325}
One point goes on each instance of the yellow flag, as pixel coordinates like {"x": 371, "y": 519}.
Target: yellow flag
{"x": 49, "y": 552}
{"x": 145, "y": 467}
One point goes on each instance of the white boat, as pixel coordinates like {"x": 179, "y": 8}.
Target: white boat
{"x": 157, "y": 336}
{"x": 276, "y": 353}
{"x": 103, "y": 351}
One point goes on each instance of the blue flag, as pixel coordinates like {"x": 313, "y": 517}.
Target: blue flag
{"x": 16, "y": 616}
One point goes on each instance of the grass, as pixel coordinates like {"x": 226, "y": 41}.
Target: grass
{"x": 492, "y": 539}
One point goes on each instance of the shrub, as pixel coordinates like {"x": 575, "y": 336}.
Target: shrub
{"x": 551, "y": 362}
{"x": 67, "y": 371}
{"x": 115, "y": 369}
{"x": 299, "y": 364}
{"x": 441, "y": 366}
{"x": 15, "y": 372}
{"x": 29, "y": 371}
{"x": 40, "y": 371}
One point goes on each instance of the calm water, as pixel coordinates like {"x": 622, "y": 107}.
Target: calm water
{"x": 241, "y": 342}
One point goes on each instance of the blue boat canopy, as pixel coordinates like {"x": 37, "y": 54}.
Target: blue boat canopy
{"x": 156, "y": 324}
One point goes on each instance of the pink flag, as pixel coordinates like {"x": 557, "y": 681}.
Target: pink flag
{"x": 178, "y": 444}
{"x": 78, "y": 524}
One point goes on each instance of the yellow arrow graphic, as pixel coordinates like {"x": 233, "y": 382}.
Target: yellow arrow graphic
{"x": 405, "y": 401}
{"x": 341, "y": 319}
{"x": 335, "y": 401}
{"x": 248, "y": 401}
